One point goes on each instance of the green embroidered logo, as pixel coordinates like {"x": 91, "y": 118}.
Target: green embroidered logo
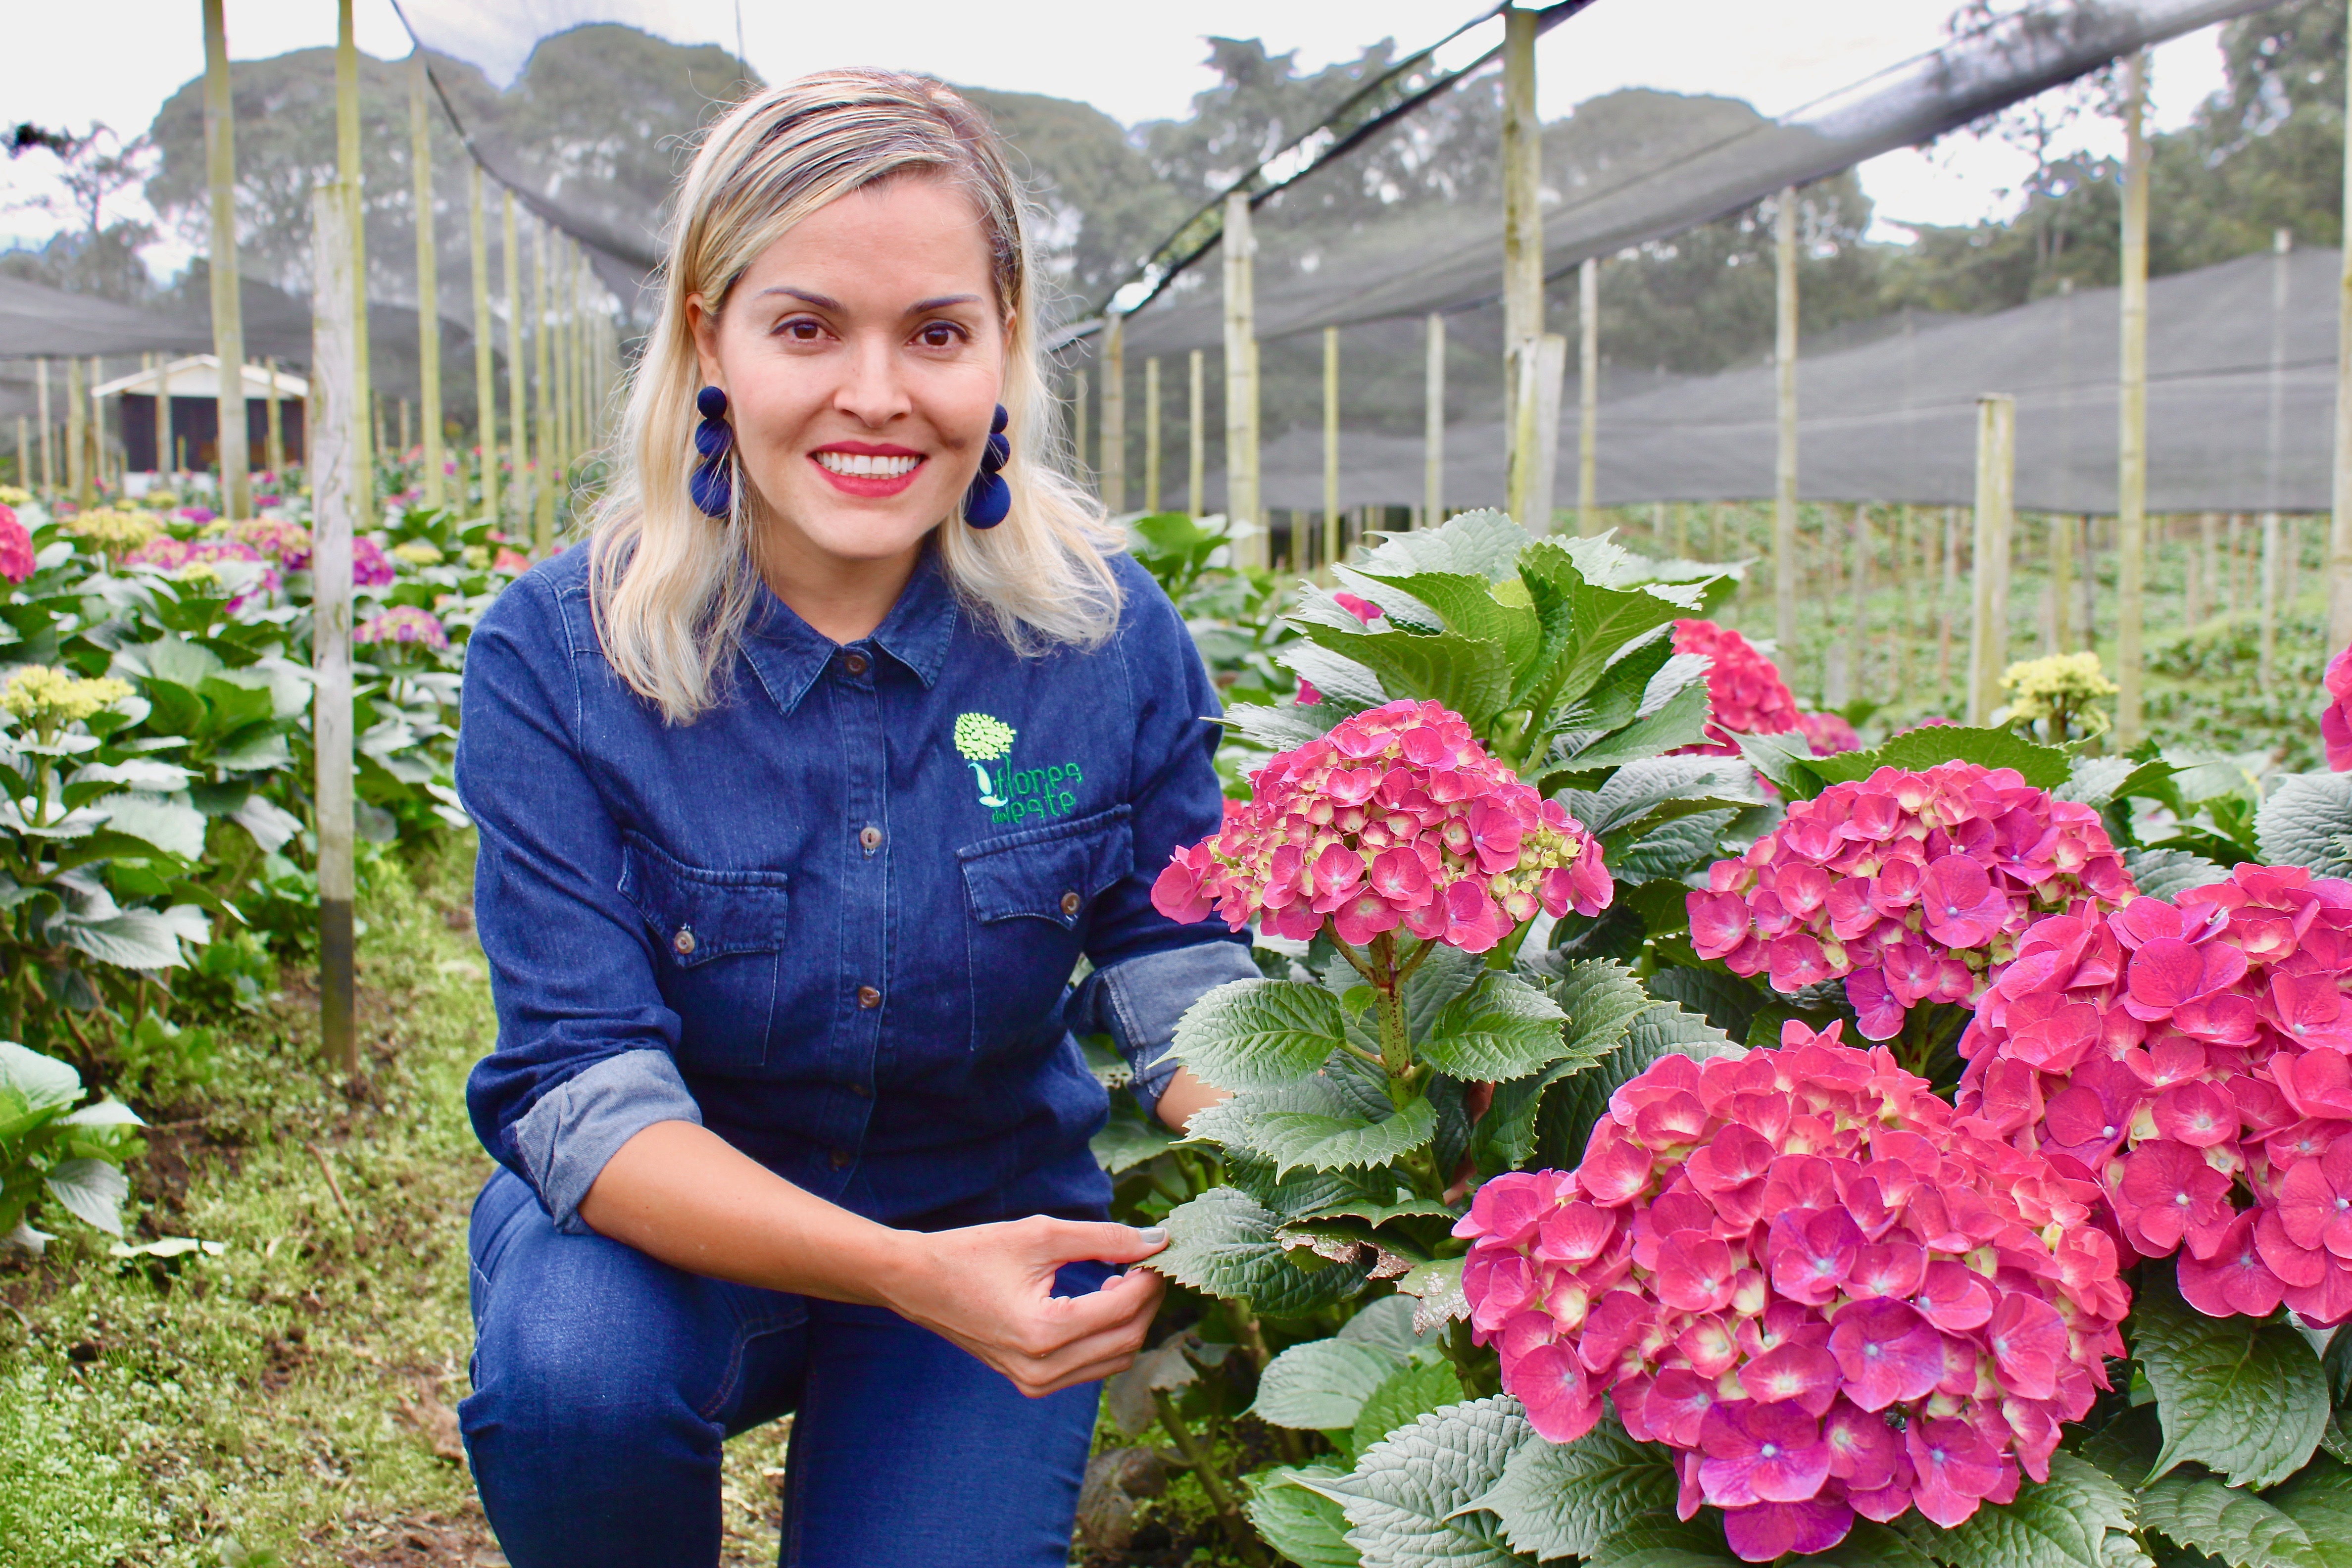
{"x": 1009, "y": 794}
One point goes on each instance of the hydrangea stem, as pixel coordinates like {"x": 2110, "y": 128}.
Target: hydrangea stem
{"x": 1388, "y": 984}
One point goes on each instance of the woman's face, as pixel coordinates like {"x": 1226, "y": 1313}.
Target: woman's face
{"x": 862, "y": 356}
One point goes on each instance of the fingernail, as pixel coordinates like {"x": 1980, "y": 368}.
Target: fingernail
{"x": 1151, "y": 1234}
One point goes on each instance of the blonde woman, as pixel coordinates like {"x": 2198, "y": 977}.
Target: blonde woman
{"x": 802, "y": 789}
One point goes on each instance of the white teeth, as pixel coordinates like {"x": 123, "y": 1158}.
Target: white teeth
{"x": 860, "y": 466}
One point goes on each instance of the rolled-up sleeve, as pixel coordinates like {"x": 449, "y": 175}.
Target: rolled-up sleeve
{"x": 1149, "y": 968}
{"x": 584, "y": 1059}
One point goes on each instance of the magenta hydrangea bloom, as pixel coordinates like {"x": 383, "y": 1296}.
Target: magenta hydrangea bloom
{"x": 2195, "y": 1058}
{"x": 403, "y": 624}
{"x": 2336, "y": 723}
{"x": 1745, "y": 693}
{"x": 1396, "y": 818}
{"x": 371, "y": 567}
{"x": 1828, "y": 733}
{"x": 1820, "y": 1286}
{"x": 283, "y": 541}
{"x": 16, "y": 547}
{"x": 165, "y": 553}
{"x": 1910, "y": 887}
{"x": 510, "y": 561}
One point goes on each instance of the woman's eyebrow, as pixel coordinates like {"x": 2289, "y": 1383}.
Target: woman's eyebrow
{"x": 821, "y": 301}
{"x": 944, "y": 300}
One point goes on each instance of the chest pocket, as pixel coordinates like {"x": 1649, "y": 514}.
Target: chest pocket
{"x": 719, "y": 938}
{"x": 1030, "y": 894}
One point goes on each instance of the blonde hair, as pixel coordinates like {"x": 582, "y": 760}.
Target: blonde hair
{"x": 670, "y": 587}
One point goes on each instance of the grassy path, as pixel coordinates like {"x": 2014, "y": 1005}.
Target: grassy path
{"x": 290, "y": 1402}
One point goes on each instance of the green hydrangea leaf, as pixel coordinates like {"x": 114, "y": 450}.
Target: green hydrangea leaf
{"x": 1869, "y": 1546}
{"x": 1259, "y": 1033}
{"x": 1223, "y": 1243}
{"x": 1485, "y": 542}
{"x": 1321, "y": 1385}
{"x": 2193, "y": 1508}
{"x": 1499, "y": 1029}
{"x": 1661, "y": 1030}
{"x": 2307, "y": 821}
{"x": 1295, "y": 1138}
{"x": 1466, "y": 606}
{"x": 1563, "y": 1499}
{"x": 1303, "y": 1525}
{"x": 2244, "y": 1398}
{"x": 1388, "y": 1324}
{"x": 1659, "y": 1541}
{"x": 2319, "y": 1500}
{"x": 2169, "y": 873}
{"x": 2063, "y": 1522}
{"x": 1915, "y": 751}
{"x": 1411, "y": 1500}
{"x": 1679, "y": 720}
{"x": 1403, "y": 1397}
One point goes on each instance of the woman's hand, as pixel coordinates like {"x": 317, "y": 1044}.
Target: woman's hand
{"x": 989, "y": 1289}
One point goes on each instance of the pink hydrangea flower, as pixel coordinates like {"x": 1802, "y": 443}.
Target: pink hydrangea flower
{"x": 165, "y": 553}
{"x": 283, "y": 541}
{"x": 1362, "y": 609}
{"x": 403, "y": 624}
{"x": 1827, "y": 1292}
{"x": 196, "y": 514}
{"x": 1828, "y": 733}
{"x": 2195, "y": 1058}
{"x": 2336, "y": 723}
{"x": 371, "y": 567}
{"x": 1308, "y": 695}
{"x": 1745, "y": 693}
{"x": 16, "y": 547}
{"x": 513, "y": 561}
{"x": 1910, "y": 887}
{"x": 1396, "y": 818}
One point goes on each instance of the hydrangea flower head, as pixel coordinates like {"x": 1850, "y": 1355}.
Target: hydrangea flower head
{"x": 49, "y": 698}
{"x": 1911, "y": 887}
{"x": 510, "y": 559}
{"x": 17, "y": 561}
{"x": 110, "y": 530}
{"x": 1397, "y": 817}
{"x": 417, "y": 553}
{"x": 2195, "y": 1058}
{"x": 1828, "y": 1293}
{"x": 1745, "y": 693}
{"x": 280, "y": 538}
{"x": 197, "y": 561}
{"x": 403, "y": 624}
{"x": 371, "y": 568}
{"x": 1828, "y": 733}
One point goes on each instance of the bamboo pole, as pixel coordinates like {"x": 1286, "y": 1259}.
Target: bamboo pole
{"x": 1433, "y": 452}
{"x": 1331, "y": 531}
{"x": 2059, "y": 529}
{"x": 428, "y": 281}
{"x": 334, "y": 447}
{"x": 1588, "y": 364}
{"x": 1242, "y": 505}
{"x": 1858, "y": 635}
{"x": 1196, "y": 433}
{"x": 1152, "y": 434}
{"x": 1784, "y": 467}
{"x": 1113, "y": 468}
{"x": 2339, "y": 531}
{"x": 1523, "y": 264}
{"x": 517, "y": 387}
{"x": 228, "y": 315}
{"x": 485, "y": 379}
{"x": 99, "y": 468}
{"x": 1944, "y": 598}
{"x": 274, "y": 426}
{"x": 551, "y": 472}
{"x": 1988, "y": 572}
{"x": 77, "y": 477}
{"x": 2131, "y": 400}
{"x": 49, "y": 445}
{"x": 352, "y": 180}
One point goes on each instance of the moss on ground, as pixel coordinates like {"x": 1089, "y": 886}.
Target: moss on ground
{"x": 291, "y": 1399}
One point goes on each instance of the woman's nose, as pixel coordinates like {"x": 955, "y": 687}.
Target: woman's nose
{"x": 873, "y": 393}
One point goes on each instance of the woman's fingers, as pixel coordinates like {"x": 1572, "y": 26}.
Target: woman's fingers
{"x": 1060, "y": 1241}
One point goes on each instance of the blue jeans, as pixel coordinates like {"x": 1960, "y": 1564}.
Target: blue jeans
{"x": 605, "y": 1383}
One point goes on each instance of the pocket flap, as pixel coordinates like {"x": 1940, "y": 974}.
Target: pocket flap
{"x": 698, "y": 915}
{"x": 1049, "y": 873}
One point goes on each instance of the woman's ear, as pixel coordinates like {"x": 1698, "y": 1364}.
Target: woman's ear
{"x": 703, "y": 323}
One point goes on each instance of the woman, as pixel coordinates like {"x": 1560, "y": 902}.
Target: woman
{"x": 801, "y": 790}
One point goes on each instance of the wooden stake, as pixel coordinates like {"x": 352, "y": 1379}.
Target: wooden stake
{"x": 228, "y": 315}
{"x": 1152, "y": 434}
{"x": 1858, "y": 661}
{"x": 1784, "y": 469}
{"x": 2059, "y": 530}
{"x": 428, "y": 281}
{"x": 1114, "y": 417}
{"x": 276, "y": 427}
{"x": 335, "y": 451}
{"x": 1196, "y": 434}
{"x": 1996, "y": 487}
{"x": 1523, "y": 266}
{"x": 1432, "y": 438}
{"x": 78, "y": 476}
{"x": 166, "y": 425}
{"x": 550, "y": 473}
{"x": 352, "y": 180}
{"x": 517, "y": 387}
{"x": 48, "y": 448}
{"x": 486, "y": 380}
{"x": 1242, "y": 502}
{"x": 1944, "y": 598}
{"x": 1331, "y": 532}
{"x": 2131, "y": 401}
{"x": 1588, "y": 363}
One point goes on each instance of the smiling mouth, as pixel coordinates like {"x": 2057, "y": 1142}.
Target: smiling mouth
{"x": 861, "y": 466}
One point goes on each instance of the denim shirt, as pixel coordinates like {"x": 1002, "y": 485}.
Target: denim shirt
{"x": 834, "y": 918}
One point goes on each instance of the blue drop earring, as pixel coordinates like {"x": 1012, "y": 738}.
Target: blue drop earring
{"x": 712, "y": 484}
{"x": 988, "y": 498}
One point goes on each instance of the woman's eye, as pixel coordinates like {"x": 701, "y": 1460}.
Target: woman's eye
{"x": 801, "y": 329}
{"x": 939, "y": 335}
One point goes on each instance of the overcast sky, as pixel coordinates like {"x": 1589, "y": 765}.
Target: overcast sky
{"x": 117, "y": 60}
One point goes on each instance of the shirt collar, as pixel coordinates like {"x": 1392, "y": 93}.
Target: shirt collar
{"x": 788, "y": 654}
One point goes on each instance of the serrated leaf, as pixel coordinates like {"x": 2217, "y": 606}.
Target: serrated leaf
{"x": 2319, "y": 1500}
{"x": 1603, "y": 620}
{"x": 1223, "y": 1243}
{"x": 1259, "y": 1033}
{"x": 1299, "y": 1194}
{"x": 129, "y": 939}
{"x": 1499, "y": 1029}
{"x": 1915, "y": 751}
{"x": 1321, "y": 1385}
{"x": 1404, "y": 1396}
{"x": 1601, "y": 1000}
{"x": 1437, "y": 980}
{"x": 1869, "y": 1546}
{"x": 1295, "y": 1138}
{"x": 1667, "y": 1543}
{"x": 1645, "y": 789}
{"x": 92, "y": 1190}
{"x": 2243, "y": 1398}
{"x": 1664, "y": 1030}
{"x": 1485, "y": 543}
{"x": 1470, "y": 675}
{"x": 1126, "y": 1143}
{"x": 1563, "y": 1499}
{"x": 2194, "y": 1509}
{"x": 1305, "y": 1526}
{"x": 2306, "y": 821}
{"x": 167, "y": 822}
{"x": 1437, "y": 1285}
{"x": 2169, "y": 873}
{"x": 1386, "y": 1324}
{"x": 1672, "y": 849}
{"x": 1786, "y": 759}
{"x": 1405, "y": 1499}
{"x": 107, "y": 1112}
{"x": 1282, "y": 729}
{"x": 1680, "y": 721}
{"x": 1348, "y": 686}
{"x": 2099, "y": 782}
{"x": 1466, "y": 606}
{"x": 2061, "y": 1522}
{"x": 1507, "y": 1132}
{"x": 47, "y": 1083}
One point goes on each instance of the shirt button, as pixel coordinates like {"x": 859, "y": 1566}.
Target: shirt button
{"x": 840, "y": 1158}
{"x": 855, "y": 663}
{"x": 870, "y": 838}
{"x": 683, "y": 942}
{"x": 868, "y": 997}
{"x": 1070, "y": 902}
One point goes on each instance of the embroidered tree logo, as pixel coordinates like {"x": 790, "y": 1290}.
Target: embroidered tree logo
{"x": 982, "y": 738}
